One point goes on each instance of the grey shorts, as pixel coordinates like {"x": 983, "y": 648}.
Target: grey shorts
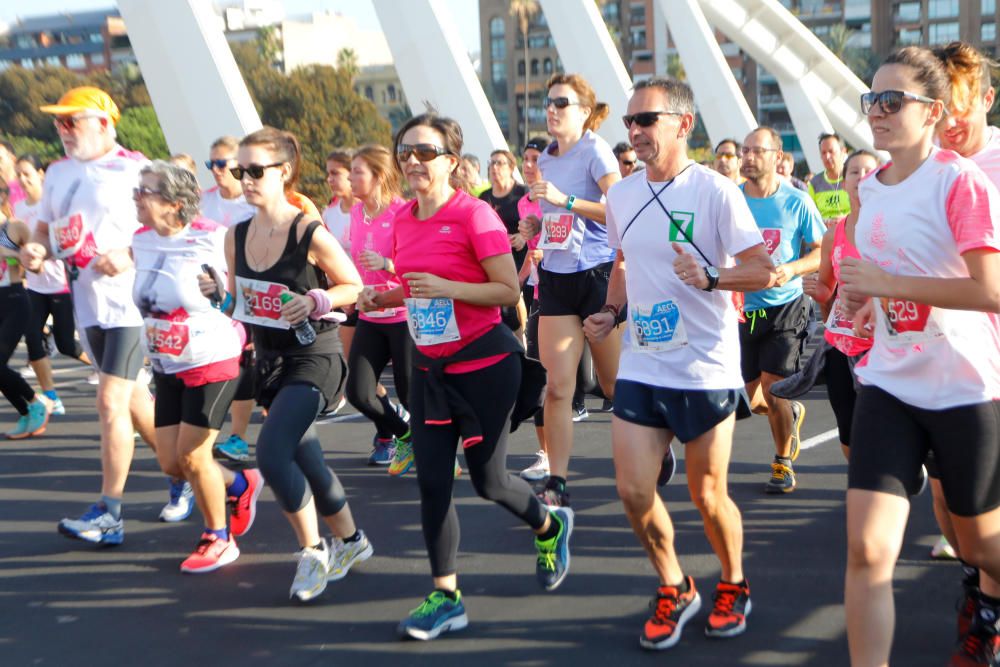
{"x": 116, "y": 351}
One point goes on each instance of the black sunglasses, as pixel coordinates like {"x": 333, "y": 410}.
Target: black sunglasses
{"x": 256, "y": 171}
{"x": 217, "y": 164}
{"x": 628, "y": 163}
{"x": 142, "y": 192}
{"x": 424, "y": 152}
{"x": 559, "y": 102}
{"x": 646, "y": 118}
{"x": 890, "y": 101}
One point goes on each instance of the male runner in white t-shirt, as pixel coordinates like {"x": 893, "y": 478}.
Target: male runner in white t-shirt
{"x": 87, "y": 218}
{"x": 677, "y": 227}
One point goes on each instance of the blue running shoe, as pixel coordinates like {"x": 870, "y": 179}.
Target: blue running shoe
{"x": 436, "y": 614}
{"x": 553, "y": 554}
{"x": 234, "y": 449}
{"x": 181, "y": 502}
{"x": 33, "y": 423}
{"x": 382, "y": 451}
{"x": 58, "y": 408}
{"x": 96, "y": 526}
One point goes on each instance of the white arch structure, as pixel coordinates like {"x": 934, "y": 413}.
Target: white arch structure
{"x": 199, "y": 95}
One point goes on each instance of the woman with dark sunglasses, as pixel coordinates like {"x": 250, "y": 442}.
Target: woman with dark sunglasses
{"x": 577, "y": 170}
{"x": 926, "y": 289}
{"x": 453, "y": 255}
{"x": 287, "y": 274}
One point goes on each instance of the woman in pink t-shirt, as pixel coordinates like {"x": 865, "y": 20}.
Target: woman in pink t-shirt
{"x": 380, "y": 335}
{"x": 926, "y": 287}
{"x": 453, "y": 255}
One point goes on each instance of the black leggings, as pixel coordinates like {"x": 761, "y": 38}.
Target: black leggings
{"x": 373, "y": 346}
{"x": 290, "y": 456}
{"x": 490, "y": 392}
{"x": 841, "y": 392}
{"x": 13, "y": 321}
{"x": 60, "y": 306}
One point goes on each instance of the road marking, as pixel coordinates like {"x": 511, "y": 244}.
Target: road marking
{"x": 826, "y": 436}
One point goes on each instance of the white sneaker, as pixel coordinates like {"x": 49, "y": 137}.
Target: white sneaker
{"x": 181, "y": 502}
{"x": 346, "y": 554}
{"x": 94, "y": 378}
{"x": 311, "y": 573}
{"x": 28, "y": 373}
{"x": 538, "y": 470}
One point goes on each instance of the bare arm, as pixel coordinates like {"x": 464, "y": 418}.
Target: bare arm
{"x": 588, "y": 209}
{"x": 501, "y": 288}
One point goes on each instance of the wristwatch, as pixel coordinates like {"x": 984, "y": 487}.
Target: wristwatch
{"x": 712, "y": 274}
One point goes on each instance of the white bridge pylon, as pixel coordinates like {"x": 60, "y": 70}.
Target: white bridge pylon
{"x": 820, "y": 91}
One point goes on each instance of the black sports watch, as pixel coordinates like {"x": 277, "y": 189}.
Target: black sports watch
{"x": 712, "y": 274}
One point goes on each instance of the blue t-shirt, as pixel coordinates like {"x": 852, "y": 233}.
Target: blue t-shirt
{"x": 787, "y": 220}
{"x": 577, "y": 173}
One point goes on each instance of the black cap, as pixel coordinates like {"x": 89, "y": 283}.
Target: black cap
{"x": 538, "y": 143}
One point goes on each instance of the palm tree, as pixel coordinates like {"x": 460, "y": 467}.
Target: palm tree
{"x": 347, "y": 61}
{"x": 524, "y": 11}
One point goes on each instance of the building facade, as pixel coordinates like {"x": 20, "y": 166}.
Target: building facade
{"x": 83, "y": 42}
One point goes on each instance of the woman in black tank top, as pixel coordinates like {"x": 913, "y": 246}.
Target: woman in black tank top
{"x": 282, "y": 270}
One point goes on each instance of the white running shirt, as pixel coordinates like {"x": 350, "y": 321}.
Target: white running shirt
{"x": 100, "y": 192}
{"x": 714, "y": 213}
{"x": 52, "y": 278}
{"x": 226, "y": 212}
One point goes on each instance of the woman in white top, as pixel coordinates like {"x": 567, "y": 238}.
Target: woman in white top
{"x": 337, "y": 218}
{"x": 48, "y": 291}
{"x": 927, "y": 287}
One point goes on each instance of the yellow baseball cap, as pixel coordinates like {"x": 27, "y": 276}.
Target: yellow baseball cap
{"x": 84, "y": 98}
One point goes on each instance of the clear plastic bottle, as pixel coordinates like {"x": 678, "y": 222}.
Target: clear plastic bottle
{"x": 304, "y": 331}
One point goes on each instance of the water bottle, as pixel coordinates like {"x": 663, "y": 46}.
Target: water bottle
{"x": 304, "y": 331}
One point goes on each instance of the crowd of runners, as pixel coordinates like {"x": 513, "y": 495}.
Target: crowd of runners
{"x": 682, "y": 294}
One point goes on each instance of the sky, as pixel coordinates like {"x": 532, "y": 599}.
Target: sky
{"x": 465, "y": 13}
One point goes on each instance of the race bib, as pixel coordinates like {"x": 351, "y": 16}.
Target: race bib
{"x": 772, "y": 240}
{"x": 259, "y": 302}
{"x": 906, "y": 322}
{"x": 557, "y": 229}
{"x": 66, "y": 235}
{"x": 384, "y": 312}
{"x": 167, "y": 340}
{"x": 431, "y": 321}
{"x": 838, "y": 322}
{"x": 657, "y": 328}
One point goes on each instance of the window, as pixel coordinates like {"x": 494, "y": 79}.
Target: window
{"x": 942, "y": 9}
{"x": 520, "y": 68}
{"x": 96, "y": 59}
{"x": 369, "y": 93}
{"x": 610, "y": 11}
{"x": 498, "y": 48}
{"x": 637, "y": 14}
{"x": 96, "y": 38}
{"x": 908, "y": 11}
{"x": 75, "y": 61}
{"x": 988, "y": 8}
{"x": 499, "y": 72}
{"x": 988, "y": 33}
{"x": 942, "y": 33}
{"x": 547, "y": 66}
{"x": 27, "y": 63}
{"x": 909, "y": 36}
{"x": 534, "y": 67}
{"x": 53, "y": 61}
{"x": 4, "y": 64}
{"x": 538, "y": 41}
{"x": 391, "y": 90}
{"x": 638, "y": 37}
{"x": 497, "y": 27}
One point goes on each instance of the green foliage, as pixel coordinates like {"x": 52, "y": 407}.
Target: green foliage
{"x": 47, "y": 151}
{"x": 139, "y": 130}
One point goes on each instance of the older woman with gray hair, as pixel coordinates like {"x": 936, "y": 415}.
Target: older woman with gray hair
{"x": 195, "y": 350}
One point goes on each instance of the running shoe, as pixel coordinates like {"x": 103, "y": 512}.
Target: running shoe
{"x": 31, "y": 424}
{"x": 346, "y": 554}
{"x": 552, "y": 565}
{"x": 538, "y": 470}
{"x": 782, "y": 478}
{"x": 730, "y": 608}
{"x": 58, "y": 408}
{"x": 28, "y": 373}
{"x": 243, "y": 510}
{"x": 402, "y": 458}
{"x": 981, "y": 644}
{"x": 458, "y": 468}
{"x": 337, "y": 407}
{"x": 966, "y": 608}
{"x": 383, "y": 450}
{"x": 671, "y": 611}
{"x": 211, "y": 553}
{"x": 606, "y": 406}
{"x": 181, "y": 502}
{"x": 234, "y": 449}
{"x": 96, "y": 526}
{"x": 436, "y": 614}
{"x": 311, "y": 573}
{"x": 94, "y": 378}
{"x": 667, "y": 468}
{"x": 798, "y": 416}
{"x": 942, "y": 550}
{"x": 580, "y": 413}
{"x": 403, "y": 413}
{"x": 553, "y": 498}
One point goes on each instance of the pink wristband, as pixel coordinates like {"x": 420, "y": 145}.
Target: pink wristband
{"x": 322, "y": 301}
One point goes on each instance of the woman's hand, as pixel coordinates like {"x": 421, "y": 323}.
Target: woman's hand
{"x": 818, "y": 290}
{"x": 428, "y": 286}
{"x": 517, "y": 242}
{"x": 32, "y": 256}
{"x": 366, "y": 300}
{"x": 597, "y": 327}
{"x": 864, "y": 320}
{"x": 529, "y": 227}
{"x": 860, "y": 280}
{"x": 297, "y": 308}
{"x": 372, "y": 261}
{"x": 548, "y": 192}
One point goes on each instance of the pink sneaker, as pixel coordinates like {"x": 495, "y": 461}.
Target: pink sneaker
{"x": 244, "y": 509}
{"x": 211, "y": 553}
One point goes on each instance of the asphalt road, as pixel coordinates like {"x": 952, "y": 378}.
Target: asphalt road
{"x": 69, "y": 603}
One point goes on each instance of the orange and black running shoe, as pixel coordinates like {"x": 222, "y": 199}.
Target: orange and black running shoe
{"x": 671, "y": 610}
{"x": 731, "y": 606}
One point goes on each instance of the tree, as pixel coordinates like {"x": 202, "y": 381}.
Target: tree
{"x": 347, "y": 62}
{"x": 268, "y": 44}
{"x": 524, "y": 11}
{"x": 139, "y": 130}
